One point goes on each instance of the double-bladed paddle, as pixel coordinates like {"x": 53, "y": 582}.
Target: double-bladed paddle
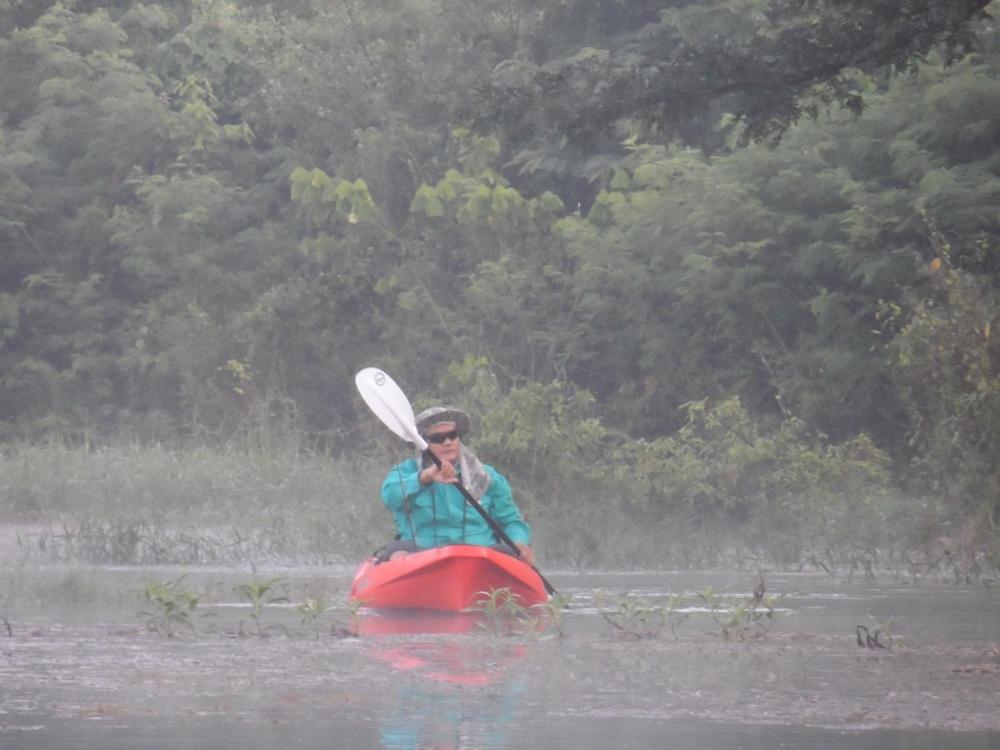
{"x": 389, "y": 403}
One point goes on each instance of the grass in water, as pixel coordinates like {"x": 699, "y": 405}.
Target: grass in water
{"x": 149, "y": 504}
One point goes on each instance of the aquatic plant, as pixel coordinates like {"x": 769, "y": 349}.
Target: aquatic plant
{"x": 168, "y": 607}
{"x": 315, "y": 610}
{"x": 142, "y": 504}
{"x": 312, "y": 610}
{"x": 501, "y": 609}
{"x": 675, "y": 612}
{"x": 548, "y": 615}
{"x": 636, "y": 617}
{"x": 260, "y": 594}
{"x": 741, "y": 618}
{"x": 353, "y": 628}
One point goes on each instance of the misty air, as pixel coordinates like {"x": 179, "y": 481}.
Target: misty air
{"x": 573, "y": 374}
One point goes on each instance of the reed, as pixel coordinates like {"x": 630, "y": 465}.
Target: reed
{"x": 133, "y": 503}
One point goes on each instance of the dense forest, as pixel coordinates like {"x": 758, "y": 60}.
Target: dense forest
{"x": 692, "y": 264}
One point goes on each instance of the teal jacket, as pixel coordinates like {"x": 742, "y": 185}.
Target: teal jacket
{"x": 440, "y": 515}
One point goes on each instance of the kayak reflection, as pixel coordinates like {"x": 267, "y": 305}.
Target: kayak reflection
{"x": 385, "y": 622}
{"x": 373, "y": 622}
{"x": 450, "y": 693}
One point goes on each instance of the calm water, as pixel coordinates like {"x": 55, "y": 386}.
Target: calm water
{"x": 91, "y": 677}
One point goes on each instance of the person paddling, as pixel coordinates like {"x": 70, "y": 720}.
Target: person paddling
{"x": 429, "y": 509}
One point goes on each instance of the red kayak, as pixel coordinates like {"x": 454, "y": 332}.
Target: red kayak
{"x": 451, "y": 578}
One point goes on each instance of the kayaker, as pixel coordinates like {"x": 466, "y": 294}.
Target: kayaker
{"x": 428, "y": 508}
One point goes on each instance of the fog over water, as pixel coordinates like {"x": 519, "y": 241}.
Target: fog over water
{"x": 716, "y": 282}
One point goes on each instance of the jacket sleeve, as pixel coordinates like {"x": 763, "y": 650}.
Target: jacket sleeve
{"x": 503, "y": 509}
{"x": 402, "y": 482}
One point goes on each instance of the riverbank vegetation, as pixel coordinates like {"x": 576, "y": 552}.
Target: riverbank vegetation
{"x": 713, "y": 278}
{"x": 720, "y": 492}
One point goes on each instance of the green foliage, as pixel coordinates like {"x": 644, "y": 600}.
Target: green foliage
{"x": 325, "y": 198}
{"x": 312, "y": 611}
{"x": 260, "y": 594}
{"x": 947, "y": 364}
{"x": 637, "y": 618}
{"x": 502, "y": 614}
{"x": 739, "y": 618}
{"x": 501, "y": 609}
{"x": 784, "y": 491}
{"x": 677, "y": 69}
{"x": 168, "y": 606}
{"x": 550, "y": 614}
{"x": 156, "y": 505}
{"x": 542, "y": 435}
{"x": 480, "y": 200}
{"x": 531, "y": 426}
{"x": 213, "y": 214}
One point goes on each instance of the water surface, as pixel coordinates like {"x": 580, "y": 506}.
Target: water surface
{"x": 90, "y": 676}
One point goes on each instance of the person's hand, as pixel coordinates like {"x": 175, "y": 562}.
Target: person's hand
{"x": 445, "y": 474}
{"x": 527, "y": 554}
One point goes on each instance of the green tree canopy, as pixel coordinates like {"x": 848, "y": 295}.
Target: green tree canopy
{"x": 671, "y": 69}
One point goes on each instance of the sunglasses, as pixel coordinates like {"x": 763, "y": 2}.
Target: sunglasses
{"x": 442, "y": 436}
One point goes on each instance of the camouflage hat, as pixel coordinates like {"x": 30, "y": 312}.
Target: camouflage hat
{"x": 438, "y": 414}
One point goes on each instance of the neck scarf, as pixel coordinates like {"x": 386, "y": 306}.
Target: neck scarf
{"x": 470, "y": 469}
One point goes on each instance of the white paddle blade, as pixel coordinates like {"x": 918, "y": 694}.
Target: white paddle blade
{"x": 389, "y": 403}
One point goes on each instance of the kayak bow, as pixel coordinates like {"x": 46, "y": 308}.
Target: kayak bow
{"x": 451, "y": 578}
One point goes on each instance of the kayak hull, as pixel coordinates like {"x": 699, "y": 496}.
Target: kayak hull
{"x": 451, "y": 579}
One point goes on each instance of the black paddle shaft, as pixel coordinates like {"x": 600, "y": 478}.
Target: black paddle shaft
{"x": 501, "y": 534}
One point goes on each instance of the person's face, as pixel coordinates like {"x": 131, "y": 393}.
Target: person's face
{"x": 444, "y": 441}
